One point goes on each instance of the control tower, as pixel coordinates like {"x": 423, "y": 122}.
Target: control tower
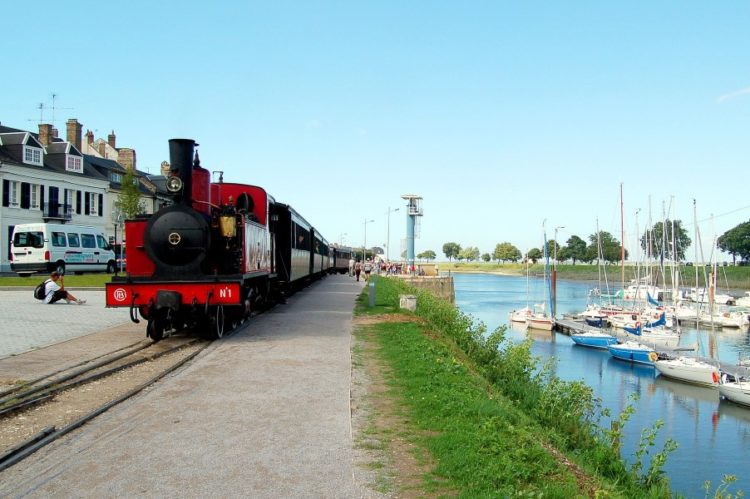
{"x": 413, "y": 211}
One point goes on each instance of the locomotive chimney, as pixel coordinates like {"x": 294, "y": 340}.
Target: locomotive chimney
{"x": 181, "y": 153}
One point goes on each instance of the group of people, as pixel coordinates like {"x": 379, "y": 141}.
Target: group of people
{"x": 356, "y": 268}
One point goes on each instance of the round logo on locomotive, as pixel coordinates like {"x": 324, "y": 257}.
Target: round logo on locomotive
{"x": 120, "y": 294}
{"x": 174, "y": 238}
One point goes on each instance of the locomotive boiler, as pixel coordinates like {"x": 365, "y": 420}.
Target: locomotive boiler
{"x": 218, "y": 252}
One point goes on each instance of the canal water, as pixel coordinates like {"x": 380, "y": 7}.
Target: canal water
{"x": 713, "y": 435}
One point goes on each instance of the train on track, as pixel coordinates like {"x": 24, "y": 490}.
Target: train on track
{"x": 216, "y": 254}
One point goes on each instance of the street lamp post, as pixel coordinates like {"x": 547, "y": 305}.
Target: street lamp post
{"x": 364, "y": 246}
{"x": 388, "y": 234}
{"x": 117, "y": 220}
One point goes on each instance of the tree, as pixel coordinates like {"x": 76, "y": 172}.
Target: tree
{"x": 736, "y": 241}
{"x": 506, "y": 251}
{"x": 611, "y": 247}
{"x": 553, "y": 248}
{"x": 469, "y": 253}
{"x": 575, "y": 249}
{"x": 129, "y": 201}
{"x": 451, "y": 250}
{"x": 486, "y": 257}
{"x": 427, "y": 255}
{"x": 656, "y": 236}
{"x": 534, "y": 254}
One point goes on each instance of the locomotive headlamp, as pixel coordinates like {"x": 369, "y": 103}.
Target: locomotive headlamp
{"x": 174, "y": 184}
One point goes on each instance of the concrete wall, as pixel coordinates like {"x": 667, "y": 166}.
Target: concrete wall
{"x": 442, "y": 287}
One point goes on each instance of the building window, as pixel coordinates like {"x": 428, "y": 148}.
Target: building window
{"x": 13, "y": 194}
{"x": 74, "y": 164}
{"x": 69, "y": 199}
{"x": 93, "y": 202}
{"x": 34, "y": 197}
{"x": 32, "y": 155}
{"x": 117, "y": 178}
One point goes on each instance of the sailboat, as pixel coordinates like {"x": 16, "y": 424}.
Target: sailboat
{"x": 540, "y": 319}
{"x": 690, "y": 369}
{"x": 593, "y": 338}
{"x": 635, "y": 352}
{"x": 735, "y": 389}
{"x": 521, "y": 315}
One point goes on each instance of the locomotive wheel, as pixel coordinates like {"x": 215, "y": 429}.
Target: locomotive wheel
{"x": 155, "y": 328}
{"x": 217, "y": 323}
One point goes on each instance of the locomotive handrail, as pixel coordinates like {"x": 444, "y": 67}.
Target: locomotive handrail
{"x": 133, "y": 311}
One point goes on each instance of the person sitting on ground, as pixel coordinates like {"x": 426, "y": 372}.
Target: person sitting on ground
{"x": 54, "y": 290}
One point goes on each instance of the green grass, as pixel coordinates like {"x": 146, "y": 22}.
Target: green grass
{"x": 488, "y": 414}
{"x": 71, "y": 281}
{"x": 483, "y": 447}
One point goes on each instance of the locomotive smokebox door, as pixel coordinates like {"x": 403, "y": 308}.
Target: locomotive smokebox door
{"x": 168, "y": 299}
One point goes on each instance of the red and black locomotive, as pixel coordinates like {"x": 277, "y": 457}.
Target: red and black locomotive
{"x": 217, "y": 253}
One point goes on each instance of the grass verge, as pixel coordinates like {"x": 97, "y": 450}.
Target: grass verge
{"x": 71, "y": 281}
{"x": 482, "y": 416}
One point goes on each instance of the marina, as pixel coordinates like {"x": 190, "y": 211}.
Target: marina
{"x": 713, "y": 434}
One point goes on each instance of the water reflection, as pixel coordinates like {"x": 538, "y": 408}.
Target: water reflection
{"x": 713, "y": 436}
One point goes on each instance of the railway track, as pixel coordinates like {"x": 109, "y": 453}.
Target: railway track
{"x": 38, "y": 412}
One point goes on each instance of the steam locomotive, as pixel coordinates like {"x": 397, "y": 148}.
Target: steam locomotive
{"x": 220, "y": 251}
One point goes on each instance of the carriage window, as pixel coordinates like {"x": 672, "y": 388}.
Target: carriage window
{"x": 73, "y": 241}
{"x": 302, "y": 238}
{"x": 88, "y": 241}
{"x": 58, "y": 239}
{"x": 28, "y": 239}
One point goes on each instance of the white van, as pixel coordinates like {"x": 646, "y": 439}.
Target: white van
{"x": 43, "y": 247}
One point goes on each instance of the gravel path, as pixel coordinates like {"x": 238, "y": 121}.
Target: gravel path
{"x": 264, "y": 413}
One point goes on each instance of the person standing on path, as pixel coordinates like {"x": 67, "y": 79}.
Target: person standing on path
{"x": 351, "y": 267}
{"x": 357, "y": 269}
{"x": 54, "y": 290}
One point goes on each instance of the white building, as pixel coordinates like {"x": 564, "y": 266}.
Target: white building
{"x": 47, "y": 179}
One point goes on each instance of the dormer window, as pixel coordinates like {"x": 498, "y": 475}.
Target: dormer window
{"x": 117, "y": 178}
{"x": 32, "y": 155}
{"x": 74, "y": 164}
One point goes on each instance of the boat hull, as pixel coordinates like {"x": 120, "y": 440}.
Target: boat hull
{"x": 545, "y": 325}
{"x": 695, "y": 372}
{"x": 737, "y": 392}
{"x": 600, "y": 341}
{"x": 635, "y": 355}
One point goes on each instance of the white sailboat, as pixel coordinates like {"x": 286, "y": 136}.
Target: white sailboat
{"x": 522, "y": 315}
{"x": 690, "y": 369}
{"x": 737, "y": 391}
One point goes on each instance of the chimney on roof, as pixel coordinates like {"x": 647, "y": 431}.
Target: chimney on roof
{"x": 89, "y": 137}
{"x": 45, "y": 133}
{"x": 55, "y": 132}
{"x": 102, "y": 149}
{"x": 111, "y": 139}
{"x": 73, "y": 132}
{"x": 126, "y": 157}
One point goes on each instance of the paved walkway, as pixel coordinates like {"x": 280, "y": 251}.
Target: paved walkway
{"x": 264, "y": 413}
{"x": 27, "y": 323}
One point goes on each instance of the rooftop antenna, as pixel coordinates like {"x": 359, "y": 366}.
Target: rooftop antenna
{"x": 54, "y": 97}
{"x": 41, "y": 106}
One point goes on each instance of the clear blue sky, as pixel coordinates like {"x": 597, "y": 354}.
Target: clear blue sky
{"x": 498, "y": 114}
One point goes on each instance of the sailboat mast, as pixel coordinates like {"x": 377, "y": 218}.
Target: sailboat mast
{"x": 622, "y": 239}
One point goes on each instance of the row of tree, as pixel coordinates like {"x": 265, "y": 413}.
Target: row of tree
{"x": 666, "y": 240}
